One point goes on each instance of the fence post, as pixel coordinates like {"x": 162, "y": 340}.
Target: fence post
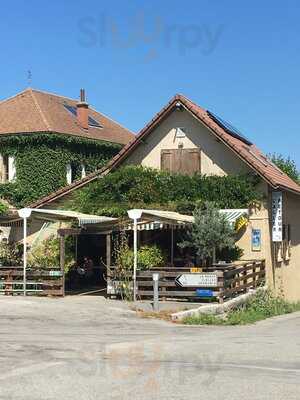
{"x": 221, "y": 282}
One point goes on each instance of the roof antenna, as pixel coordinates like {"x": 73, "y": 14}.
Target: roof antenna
{"x": 29, "y": 78}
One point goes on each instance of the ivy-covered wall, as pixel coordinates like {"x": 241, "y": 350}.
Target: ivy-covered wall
{"x": 41, "y": 160}
{"x": 139, "y": 187}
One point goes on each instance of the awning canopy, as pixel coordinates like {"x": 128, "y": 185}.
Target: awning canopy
{"x": 64, "y": 216}
{"x": 157, "y": 219}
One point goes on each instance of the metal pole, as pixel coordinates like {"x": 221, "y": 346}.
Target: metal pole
{"x": 24, "y": 254}
{"x": 155, "y": 277}
{"x": 135, "y": 257}
{"x": 172, "y": 245}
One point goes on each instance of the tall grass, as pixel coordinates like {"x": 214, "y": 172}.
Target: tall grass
{"x": 263, "y": 305}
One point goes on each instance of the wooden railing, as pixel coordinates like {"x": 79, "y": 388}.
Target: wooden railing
{"x": 248, "y": 275}
{"x": 38, "y": 282}
{"x": 230, "y": 280}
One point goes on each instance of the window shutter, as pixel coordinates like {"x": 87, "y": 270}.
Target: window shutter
{"x": 166, "y": 160}
{"x": 83, "y": 171}
{"x": 182, "y": 161}
{"x": 11, "y": 169}
{"x": 190, "y": 161}
{"x": 69, "y": 174}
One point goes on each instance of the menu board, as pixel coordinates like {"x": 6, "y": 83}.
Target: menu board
{"x": 277, "y": 216}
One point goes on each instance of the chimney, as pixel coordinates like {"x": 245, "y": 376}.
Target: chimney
{"x": 83, "y": 111}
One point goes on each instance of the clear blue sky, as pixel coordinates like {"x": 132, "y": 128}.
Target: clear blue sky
{"x": 239, "y": 59}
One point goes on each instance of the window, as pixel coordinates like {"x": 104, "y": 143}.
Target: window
{"x": 8, "y": 169}
{"x": 83, "y": 171}
{"x": 183, "y": 161}
{"x": 69, "y": 174}
{"x": 92, "y": 121}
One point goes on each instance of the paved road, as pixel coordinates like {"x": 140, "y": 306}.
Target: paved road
{"x": 91, "y": 348}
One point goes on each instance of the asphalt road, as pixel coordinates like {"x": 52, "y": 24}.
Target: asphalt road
{"x": 91, "y": 348}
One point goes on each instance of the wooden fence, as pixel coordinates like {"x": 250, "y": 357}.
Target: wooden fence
{"x": 229, "y": 281}
{"x": 38, "y": 282}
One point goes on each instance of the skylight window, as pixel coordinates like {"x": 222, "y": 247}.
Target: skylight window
{"x": 92, "y": 121}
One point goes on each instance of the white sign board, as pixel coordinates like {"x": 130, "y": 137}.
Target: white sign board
{"x": 277, "y": 216}
{"x": 197, "y": 280}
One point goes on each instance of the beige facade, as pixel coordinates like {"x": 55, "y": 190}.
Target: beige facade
{"x": 215, "y": 157}
{"x": 283, "y": 259}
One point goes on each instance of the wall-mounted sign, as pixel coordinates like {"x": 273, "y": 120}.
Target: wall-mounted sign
{"x": 204, "y": 293}
{"x": 195, "y": 270}
{"x": 256, "y": 240}
{"x": 209, "y": 279}
{"x": 277, "y": 216}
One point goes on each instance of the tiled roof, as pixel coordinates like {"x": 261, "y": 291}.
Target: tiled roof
{"x": 35, "y": 111}
{"x": 249, "y": 153}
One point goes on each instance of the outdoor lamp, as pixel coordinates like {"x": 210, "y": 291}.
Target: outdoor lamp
{"x": 134, "y": 214}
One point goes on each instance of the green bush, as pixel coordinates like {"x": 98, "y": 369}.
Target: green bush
{"x": 11, "y": 254}
{"x": 148, "y": 257}
{"x": 263, "y": 305}
{"x": 140, "y": 187}
{"x": 47, "y": 254}
{"x": 3, "y": 208}
{"x": 230, "y": 254}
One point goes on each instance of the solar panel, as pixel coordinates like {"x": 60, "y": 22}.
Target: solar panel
{"x": 229, "y": 128}
{"x": 92, "y": 121}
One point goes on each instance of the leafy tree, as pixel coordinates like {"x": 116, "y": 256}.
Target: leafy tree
{"x": 3, "y": 208}
{"x": 287, "y": 165}
{"x": 210, "y": 232}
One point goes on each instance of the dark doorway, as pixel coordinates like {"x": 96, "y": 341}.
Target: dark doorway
{"x": 89, "y": 273}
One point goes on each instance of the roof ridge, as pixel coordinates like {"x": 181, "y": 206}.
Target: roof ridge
{"x": 38, "y": 107}
{"x": 14, "y": 96}
{"x": 54, "y": 94}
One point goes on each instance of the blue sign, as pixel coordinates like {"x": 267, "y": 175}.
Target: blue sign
{"x": 256, "y": 240}
{"x": 205, "y": 293}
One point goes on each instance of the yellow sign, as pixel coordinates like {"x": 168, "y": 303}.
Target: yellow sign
{"x": 195, "y": 270}
{"x": 240, "y": 223}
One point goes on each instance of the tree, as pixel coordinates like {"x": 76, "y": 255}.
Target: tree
{"x": 3, "y": 208}
{"x": 287, "y": 165}
{"x": 209, "y": 233}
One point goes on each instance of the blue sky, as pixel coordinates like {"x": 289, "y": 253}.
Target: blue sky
{"x": 240, "y": 60}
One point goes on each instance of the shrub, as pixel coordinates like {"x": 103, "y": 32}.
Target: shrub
{"x": 11, "y": 254}
{"x": 264, "y": 304}
{"x": 47, "y": 255}
{"x": 140, "y": 187}
{"x": 3, "y": 208}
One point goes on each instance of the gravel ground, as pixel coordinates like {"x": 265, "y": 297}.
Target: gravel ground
{"x": 93, "y": 348}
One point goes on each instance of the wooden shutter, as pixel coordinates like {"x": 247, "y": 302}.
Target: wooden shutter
{"x": 166, "y": 160}
{"x": 182, "y": 161}
{"x": 190, "y": 161}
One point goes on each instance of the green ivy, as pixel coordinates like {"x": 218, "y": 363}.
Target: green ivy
{"x": 41, "y": 161}
{"x": 139, "y": 187}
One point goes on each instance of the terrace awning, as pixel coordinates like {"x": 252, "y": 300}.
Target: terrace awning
{"x": 157, "y": 219}
{"x": 65, "y": 215}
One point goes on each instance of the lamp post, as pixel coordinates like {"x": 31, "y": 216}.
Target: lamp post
{"x": 134, "y": 215}
{"x": 24, "y": 213}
